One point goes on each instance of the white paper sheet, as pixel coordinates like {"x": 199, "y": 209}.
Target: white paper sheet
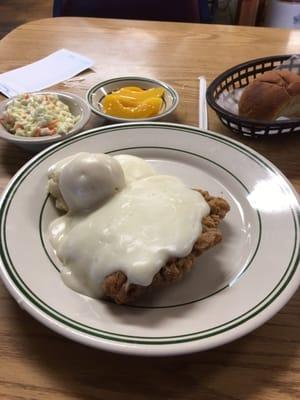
{"x": 57, "y": 67}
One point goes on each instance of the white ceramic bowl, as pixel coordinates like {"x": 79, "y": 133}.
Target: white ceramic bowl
{"x": 77, "y": 105}
{"x": 96, "y": 94}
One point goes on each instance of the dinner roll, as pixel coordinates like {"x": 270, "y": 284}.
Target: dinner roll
{"x": 271, "y": 95}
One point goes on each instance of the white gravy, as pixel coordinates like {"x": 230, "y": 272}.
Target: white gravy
{"x": 136, "y": 230}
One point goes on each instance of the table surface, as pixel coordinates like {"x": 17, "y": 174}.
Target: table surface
{"x": 39, "y": 364}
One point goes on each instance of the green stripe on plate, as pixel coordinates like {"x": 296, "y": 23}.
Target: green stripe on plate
{"x": 190, "y": 154}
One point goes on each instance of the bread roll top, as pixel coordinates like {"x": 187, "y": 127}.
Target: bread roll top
{"x": 271, "y": 95}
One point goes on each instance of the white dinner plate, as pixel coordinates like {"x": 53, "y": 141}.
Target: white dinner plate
{"x": 234, "y": 287}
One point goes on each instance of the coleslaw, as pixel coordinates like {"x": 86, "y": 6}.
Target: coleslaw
{"x": 34, "y": 115}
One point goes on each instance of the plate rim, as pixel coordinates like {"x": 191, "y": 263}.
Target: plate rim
{"x": 32, "y": 163}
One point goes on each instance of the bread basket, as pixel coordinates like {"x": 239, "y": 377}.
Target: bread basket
{"x": 239, "y": 77}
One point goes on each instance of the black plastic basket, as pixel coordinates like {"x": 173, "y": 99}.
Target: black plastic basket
{"x": 241, "y": 75}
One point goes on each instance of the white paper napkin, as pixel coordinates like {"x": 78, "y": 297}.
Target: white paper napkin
{"x": 57, "y": 67}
